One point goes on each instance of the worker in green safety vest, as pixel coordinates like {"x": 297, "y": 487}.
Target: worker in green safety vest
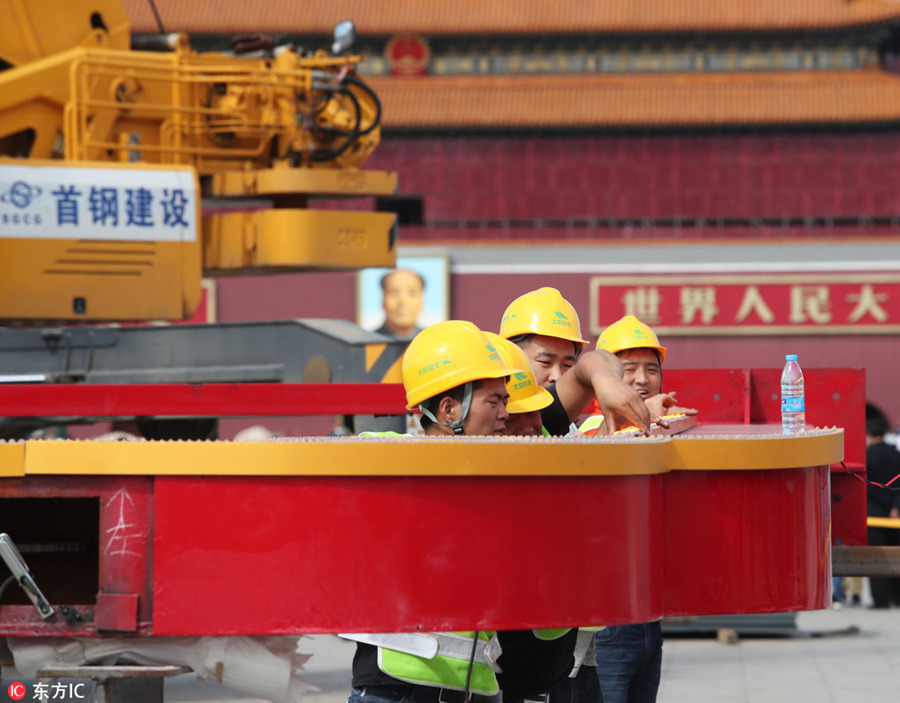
{"x": 453, "y": 374}
{"x": 629, "y": 657}
{"x": 546, "y": 330}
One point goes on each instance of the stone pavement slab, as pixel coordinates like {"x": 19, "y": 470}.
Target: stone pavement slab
{"x": 837, "y": 656}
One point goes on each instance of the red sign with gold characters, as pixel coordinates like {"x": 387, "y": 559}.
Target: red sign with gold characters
{"x": 751, "y": 304}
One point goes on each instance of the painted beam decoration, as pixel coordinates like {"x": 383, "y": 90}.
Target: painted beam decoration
{"x": 751, "y": 304}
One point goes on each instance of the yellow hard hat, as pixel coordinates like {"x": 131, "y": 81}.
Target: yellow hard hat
{"x": 525, "y": 394}
{"x": 542, "y": 311}
{"x": 630, "y": 333}
{"x": 446, "y": 355}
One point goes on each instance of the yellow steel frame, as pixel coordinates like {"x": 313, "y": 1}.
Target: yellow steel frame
{"x": 407, "y": 456}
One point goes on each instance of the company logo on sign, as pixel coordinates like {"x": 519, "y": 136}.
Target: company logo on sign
{"x": 20, "y": 194}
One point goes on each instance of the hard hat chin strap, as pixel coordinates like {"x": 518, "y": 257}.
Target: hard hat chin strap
{"x": 455, "y": 425}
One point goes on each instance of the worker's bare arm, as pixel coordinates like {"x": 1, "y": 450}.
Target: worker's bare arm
{"x": 598, "y": 374}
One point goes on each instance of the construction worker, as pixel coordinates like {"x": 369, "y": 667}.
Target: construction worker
{"x": 629, "y": 657}
{"x": 453, "y": 374}
{"x": 546, "y": 327}
{"x": 527, "y": 402}
{"x": 642, "y": 357}
{"x": 526, "y": 397}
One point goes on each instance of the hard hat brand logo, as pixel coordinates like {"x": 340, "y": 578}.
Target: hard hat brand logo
{"x": 509, "y": 316}
{"x": 522, "y": 381}
{"x": 433, "y": 367}
{"x": 561, "y": 315}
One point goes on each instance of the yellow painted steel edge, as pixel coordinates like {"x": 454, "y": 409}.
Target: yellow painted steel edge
{"x": 883, "y": 521}
{"x": 744, "y": 453}
{"x": 353, "y": 182}
{"x": 12, "y": 459}
{"x": 350, "y": 457}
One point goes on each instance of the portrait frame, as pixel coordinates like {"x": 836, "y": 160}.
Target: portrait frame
{"x": 434, "y": 270}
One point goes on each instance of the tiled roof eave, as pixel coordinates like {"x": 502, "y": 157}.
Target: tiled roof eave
{"x": 446, "y": 17}
{"x": 633, "y": 101}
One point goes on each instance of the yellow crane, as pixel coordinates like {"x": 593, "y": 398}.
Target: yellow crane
{"x": 126, "y": 175}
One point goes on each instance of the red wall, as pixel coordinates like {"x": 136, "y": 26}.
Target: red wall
{"x": 648, "y": 176}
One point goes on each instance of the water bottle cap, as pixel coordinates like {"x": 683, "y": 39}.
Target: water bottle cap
{"x": 790, "y": 357}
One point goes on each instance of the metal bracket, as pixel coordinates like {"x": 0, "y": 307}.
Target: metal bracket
{"x": 19, "y": 569}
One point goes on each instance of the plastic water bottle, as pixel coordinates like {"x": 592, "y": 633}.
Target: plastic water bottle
{"x": 793, "y": 405}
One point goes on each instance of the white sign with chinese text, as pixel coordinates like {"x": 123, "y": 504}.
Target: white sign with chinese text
{"x": 112, "y": 204}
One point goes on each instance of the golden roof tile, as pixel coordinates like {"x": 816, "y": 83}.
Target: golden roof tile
{"x": 581, "y": 101}
{"x": 434, "y": 17}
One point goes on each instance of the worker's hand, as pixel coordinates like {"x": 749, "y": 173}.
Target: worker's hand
{"x": 617, "y": 399}
{"x": 666, "y": 404}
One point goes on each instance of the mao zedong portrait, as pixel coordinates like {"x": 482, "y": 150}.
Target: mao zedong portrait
{"x": 402, "y": 299}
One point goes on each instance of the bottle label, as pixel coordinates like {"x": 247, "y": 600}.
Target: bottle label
{"x": 793, "y": 405}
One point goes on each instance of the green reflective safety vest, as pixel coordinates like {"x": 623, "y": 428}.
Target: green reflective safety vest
{"x": 449, "y": 668}
{"x": 591, "y": 424}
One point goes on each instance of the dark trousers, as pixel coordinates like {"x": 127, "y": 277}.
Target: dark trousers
{"x": 584, "y": 687}
{"x": 885, "y": 590}
{"x": 629, "y": 662}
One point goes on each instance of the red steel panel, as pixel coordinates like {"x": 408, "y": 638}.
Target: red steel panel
{"x": 721, "y": 557}
{"x": 254, "y": 555}
{"x": 202, "y": 399}
{"x": 388, "y": 554}
{"x": 117, "y": 612}
{"x": 719, "y": 394}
